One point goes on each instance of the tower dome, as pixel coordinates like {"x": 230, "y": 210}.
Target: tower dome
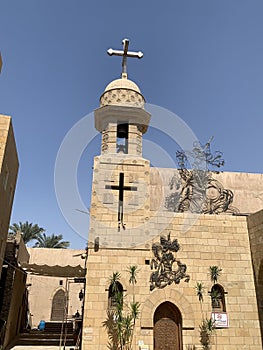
{"x": 122, "y": 92}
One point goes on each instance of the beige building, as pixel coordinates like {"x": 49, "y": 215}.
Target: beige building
{"x": 255, "y": 226}
{"x": 13, "y": 290}
{"x": 54, "y": 283}
{"x": 173, "y": 225}
{"x": 8, "y": 175}
{"x": 10, "y": 250}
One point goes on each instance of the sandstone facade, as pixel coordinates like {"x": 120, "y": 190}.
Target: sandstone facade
{"x": 220, "y": 240}
{"x": 8, "y": 176}
{"x": 134, "y": 210}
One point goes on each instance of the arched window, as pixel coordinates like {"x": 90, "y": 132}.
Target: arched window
{"x": 218, "y": 298}
{"x": 58, "y": 306}
{"x": 115, "y": 295}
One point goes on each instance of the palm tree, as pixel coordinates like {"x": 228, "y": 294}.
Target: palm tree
{"x": 215, "y": 272}
{"x": 133, "y": 274}
{"x": 200, "y": 293}
{"x": 115, "y": 319}
{"x": 110, "y": 325}
{"x": 28, "y": 230}
{"x": 121, "y": 317}
{"x": 207, "y": 328}
{"x": 53, "y": 241}
{"x": 133, "y": 277}
{"x": 127, "y": 330}
{"x": 114, "y": 281}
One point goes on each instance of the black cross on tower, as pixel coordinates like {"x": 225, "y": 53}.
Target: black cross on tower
{"x": 121, "y": 188}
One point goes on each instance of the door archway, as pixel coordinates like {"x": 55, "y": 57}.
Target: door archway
{"x": 58, "y": 306}
{"x": 167, "y": 327}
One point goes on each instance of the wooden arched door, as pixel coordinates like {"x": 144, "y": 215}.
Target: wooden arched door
{"x": 58, "y": 306}
{"x": 167, "y": 327}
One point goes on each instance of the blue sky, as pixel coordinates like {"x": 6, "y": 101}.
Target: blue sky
{"x": 202, "y": 61}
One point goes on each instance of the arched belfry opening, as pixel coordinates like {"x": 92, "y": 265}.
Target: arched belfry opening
{"x": 58, "y": 306}
{"x": 122, "y": 138}
{"x": 167, "y": 327}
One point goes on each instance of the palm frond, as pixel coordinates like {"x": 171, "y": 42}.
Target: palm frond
{"x": 200, "y": 291}
{"x": 53, "y": 241}
{"x": 135, "y": 310}
{"x": 215, "y": 273}
{"x": 133, "y": 274}
{"x": 28, "y": 230}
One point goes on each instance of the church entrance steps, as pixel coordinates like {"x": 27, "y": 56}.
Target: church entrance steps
{"x": 36, "y": 347}
{"x": 49, "y": 337}
{"x": 55, "y": 327}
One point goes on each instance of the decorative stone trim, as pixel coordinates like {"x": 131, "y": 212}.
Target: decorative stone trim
{"x": 160, "y": 296}
{"x": 122, "y": 97}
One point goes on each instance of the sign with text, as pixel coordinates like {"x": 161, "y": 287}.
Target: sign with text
{"x": 220, "y": 319}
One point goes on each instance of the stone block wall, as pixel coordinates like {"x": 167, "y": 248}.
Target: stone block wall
{"x": 105, "y": 200}
{"x": 13, "y": 301}
{"x": 8, "y": 176}
{"x": 220, "y": 240}
{"x": 255, "y": 227}
{"x": 247, "y": 188}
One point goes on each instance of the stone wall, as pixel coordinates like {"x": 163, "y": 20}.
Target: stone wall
{"x": 13, "y": 304}
{"x": 247, "y": 188}
{"x": 220, "y": 240}
{"x": 8, "y": 176}
{"x": 255, "y": 226}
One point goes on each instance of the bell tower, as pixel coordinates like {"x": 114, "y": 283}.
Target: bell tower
{"x": 121, "y": 118}
{"x": 120, "y": 189}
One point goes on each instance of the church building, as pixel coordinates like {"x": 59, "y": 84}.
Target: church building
{"x": 174, "y": 255}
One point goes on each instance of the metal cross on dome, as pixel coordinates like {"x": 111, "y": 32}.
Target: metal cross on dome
{"x": 125, "y": 53}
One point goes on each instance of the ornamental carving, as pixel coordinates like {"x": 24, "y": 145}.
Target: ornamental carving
{"x": 163, "y": 263}
{"x": 122, "y": 97}
{"x": 104, "y": 147}
{"x": 196, "y": 190}
{"x": 105, "y": 137}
